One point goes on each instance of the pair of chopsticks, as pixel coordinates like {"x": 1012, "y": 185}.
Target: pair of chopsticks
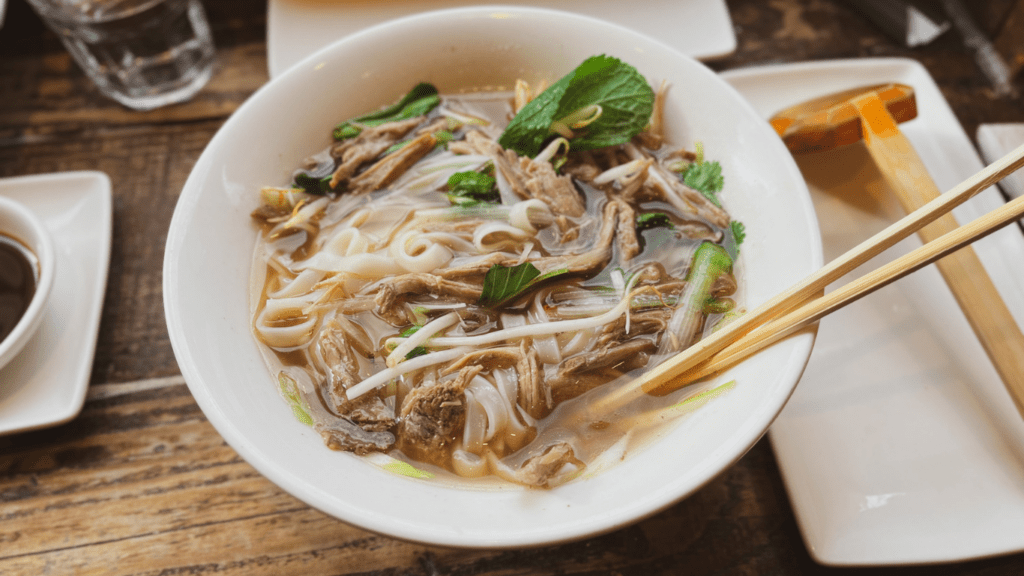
{"x": 802, "y": 304}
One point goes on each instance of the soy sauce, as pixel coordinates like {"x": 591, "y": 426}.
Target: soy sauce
{"x": 17, "y": 283}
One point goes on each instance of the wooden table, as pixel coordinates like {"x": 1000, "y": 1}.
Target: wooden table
{"x": 141, "y": 483}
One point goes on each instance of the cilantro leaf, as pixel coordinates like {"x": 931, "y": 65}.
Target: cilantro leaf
{"x": 739, "y": 231}
{"x": 502, "y": 283}
{"x": 706, "y": 178}
{"x": 649, "y": 220}
{"x": 420, "y": 100}
{"x": 624, "y": 96}
{"x": 736, "y": 234}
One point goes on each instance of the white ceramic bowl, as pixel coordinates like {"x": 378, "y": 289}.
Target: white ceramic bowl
{"x": 207, "y": 260}
{"x": 18, "y": 222}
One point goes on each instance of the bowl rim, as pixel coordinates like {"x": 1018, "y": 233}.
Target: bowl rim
{"x": 653, "y": 503}
{"x": 43, "y": 249}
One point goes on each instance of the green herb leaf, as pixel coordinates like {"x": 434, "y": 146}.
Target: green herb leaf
{"x": 625, "y": 98}
{"x": 736, "y": 234}
{"x": 739, "y": 231}
{"x": 313, "y": 185}
{"x": 502, "y": 283}
{"x": 649, "y": 220}
{"x": 471, "y": 187}
{"x": 417, "y": 351}
{"x": 706, "y": 178}
{"x": 290, "y": 390}
{"x": 623, "y": 94}
{"x": 420, "y": 100}
{"x": 443, "y": 137}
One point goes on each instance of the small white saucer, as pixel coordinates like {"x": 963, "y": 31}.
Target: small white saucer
{"x": 45, "y": 384}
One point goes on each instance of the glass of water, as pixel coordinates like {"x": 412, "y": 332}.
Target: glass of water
{"x": 142, "y": 53}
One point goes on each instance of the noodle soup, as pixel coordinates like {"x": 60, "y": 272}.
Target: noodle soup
{"x": 421, "y": 290}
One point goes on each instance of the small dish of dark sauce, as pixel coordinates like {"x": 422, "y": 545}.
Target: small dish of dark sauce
{"x": 19, "y": 272}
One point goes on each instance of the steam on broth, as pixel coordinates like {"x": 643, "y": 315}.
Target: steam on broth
{"x": 428, "y": 290}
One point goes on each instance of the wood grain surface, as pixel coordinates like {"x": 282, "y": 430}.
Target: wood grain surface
{"x": 141, "y": 484}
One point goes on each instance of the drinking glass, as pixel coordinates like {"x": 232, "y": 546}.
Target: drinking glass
{"x": 142, "y": 53}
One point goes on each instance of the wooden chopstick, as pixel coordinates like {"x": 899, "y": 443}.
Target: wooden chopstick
{"x": 803, "y": 298}
{"x": 816, "y": 309}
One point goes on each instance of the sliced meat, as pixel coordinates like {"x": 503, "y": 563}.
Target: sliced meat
{"x": 369, "y": 144}
{"x": 389, "y": 291}
{"x": 390, "y": 167}
{"x": 501, "y": 356}
{"x": 540, "y": 470}
{"x": 583, "y": 372}
{"x": 334, "y": 356}
{"x": 592, "y": 261}
{"x": 607, "y": 357}
{"x": 534, "y": 396}
{"x": 433, "y": 417}
{"x": 438, "y": 124}
{"x": 337, "y": 361}
{"x": 625, "y": 233}
{"x": 652, "y": 321}
{"x": 557, "y": 191}
{"x": 478, "y": 267}
{"x": 340, "y": 434}
{"x": 530, "y": 179}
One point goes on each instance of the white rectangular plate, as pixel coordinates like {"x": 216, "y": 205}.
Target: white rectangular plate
{"x": 900, "y": 444}
{"x": 46, "y": 382}
{"x": 997, "y": 140}
{"x": 297, "y": 28}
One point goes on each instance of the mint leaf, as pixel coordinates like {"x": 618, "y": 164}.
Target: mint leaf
{"x": 420, "y": 100}
{"x": 653, "y": 220}
{"x": 532, "y": 125}
{"x": 706, "y": 178}
{"x": 502, "y": 283}
{"x": 625, "y": 98}
{"x": 471, "y": 188}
